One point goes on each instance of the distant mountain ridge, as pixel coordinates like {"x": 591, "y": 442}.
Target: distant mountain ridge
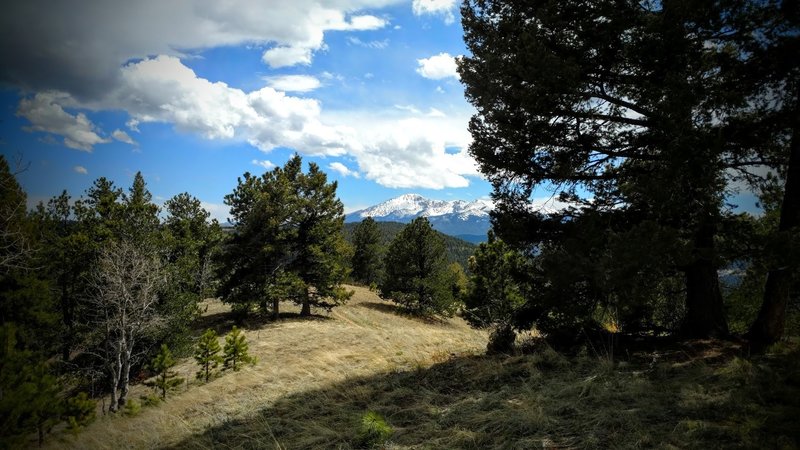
{"x": 456, "y": 218}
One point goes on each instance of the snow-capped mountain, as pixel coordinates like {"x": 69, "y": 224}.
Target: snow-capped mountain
{"x": 456, "y": 218}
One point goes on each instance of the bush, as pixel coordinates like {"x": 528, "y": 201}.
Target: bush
{"x": 79, "y": 411}
{"x": 374, "y": 430}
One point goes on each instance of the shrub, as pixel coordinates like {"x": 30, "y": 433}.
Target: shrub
{"x": 374, "y": 430}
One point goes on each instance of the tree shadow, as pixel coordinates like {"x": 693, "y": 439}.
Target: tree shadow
{"x": 527, "y": 401}
{"x": 223, "y": 322}
{"x": 391, "y": 308}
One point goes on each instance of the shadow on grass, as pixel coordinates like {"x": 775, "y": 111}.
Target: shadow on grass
{"x": 222, "y": 322}
{"x": 539, "y": 401}
{"x": 391, "y": 308}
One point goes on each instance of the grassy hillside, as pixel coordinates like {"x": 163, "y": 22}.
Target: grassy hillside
{"x": 458, "y": 250}
{"x": 316, "y": 378}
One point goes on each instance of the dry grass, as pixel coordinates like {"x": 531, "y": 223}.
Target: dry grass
{"x": 364, "y": 337}
{"x": 316, "y": 378}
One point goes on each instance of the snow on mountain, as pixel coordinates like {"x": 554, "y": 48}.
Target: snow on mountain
{"x": 455, "y": 218}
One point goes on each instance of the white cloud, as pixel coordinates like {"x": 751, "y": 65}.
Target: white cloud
{"x": 266, "y": 164}
{"x": 293, "y": 83}
{"x": 80, "y": 169}
{"x": 77, "y": 47}
{"x": 123, "y": 137}
{"x": 218, "y": 211}
{"x": 433, "y": 112}
{"x": 287, "y": 56}
{"x": 342, "y": 170}
{"x": 46, "y": 114}
{"x": 162, "y": 89}
{"x": 401, "y": 151}
{"x": 443, "y": 8}
{"x": 378, "y": 45}
{"x": 438, "y": 67}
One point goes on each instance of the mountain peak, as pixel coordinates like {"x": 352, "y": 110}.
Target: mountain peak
{"x": 455, "y": 217}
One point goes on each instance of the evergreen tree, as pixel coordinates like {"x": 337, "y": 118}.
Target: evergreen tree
{"x": 207, "y": 354}
{"x": 367, "y": 253}
{"x": 496, "y": 291}
{"x": 189, "y": 242}
{"x": 638, "y": 111}
{"x": 235, "y": 351}
{"x": 320, "y": 247}
{"x": 416, "y": 272}
{"x": 287, "y": 243}
{"x": 166, "y": 379}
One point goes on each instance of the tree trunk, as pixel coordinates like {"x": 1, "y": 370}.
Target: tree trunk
{"x": 116, "y": 369}
{"x": 768, "y": 327}
{"x": 276, "y": 304}
{"x": 705, "y": 313}
{"x": 306, "y": 310}
{"x": 125, "y": 378}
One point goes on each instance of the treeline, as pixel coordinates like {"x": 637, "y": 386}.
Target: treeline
{"x": 99, "y": 290}
{"x": 646, "y": 117}
{"x": 456, "y": 249}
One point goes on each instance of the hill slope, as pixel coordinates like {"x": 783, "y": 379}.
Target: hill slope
{"x": 316, "y": 378}
{"x": 364, "y": 337}
{"x": 458, "y": 250}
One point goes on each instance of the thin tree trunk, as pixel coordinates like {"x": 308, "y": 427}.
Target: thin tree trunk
{"x": 125, "y": 377}
{"x": 705, "y": 313}
{"x": 306, "y": 310}
{"x": 116, "y": 370}
{"x": 276, "y": 303}
{"x": 768, "y": 326}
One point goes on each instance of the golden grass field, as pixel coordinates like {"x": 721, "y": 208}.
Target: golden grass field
{"x": 316, "y": 378}
{"x": 367, "y": 336}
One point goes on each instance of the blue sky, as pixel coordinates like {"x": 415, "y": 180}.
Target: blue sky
{"x": 195, "y": 93}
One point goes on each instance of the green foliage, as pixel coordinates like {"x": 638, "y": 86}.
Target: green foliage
{"x": 166, "y": 379}
{"x": 191, "y": 244}
{"x": 207, "y": 354}
{"x": 368, "y": 253}
{"x": 456, "y": 250}
{"x": 29, "y": 393}
{"x": 287, "y": 243}
{"x": 132, "y": 408}
{"x": 235, "y": 351}
{"x": 374, "y": 430}
{"x": 79, "y": 411}
{"x": 417, "y": 275}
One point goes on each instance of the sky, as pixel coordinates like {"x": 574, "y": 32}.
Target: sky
{"x": 195, "y": 93}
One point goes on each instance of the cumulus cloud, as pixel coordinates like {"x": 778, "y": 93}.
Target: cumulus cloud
{"x": 266, "y": 164}
{"x": 342, "y": 170}
{"x": 401, "y": 151}
{"x": 77, "y": 47}
{"x": 443, "y": 8}
{"x": 163, "y": 89}
{"x": 80, "y": 169}
{"x": 438, "y": 67}
{"x": 123, "y": 137}
{"x": 218, "y": 211}
{"x": 45, "y": 113}
{"x": 293, "y": 83}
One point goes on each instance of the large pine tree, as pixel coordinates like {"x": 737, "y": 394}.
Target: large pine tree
{"x": 417, "y": 275}
{"x": 288, "y": 242}
{"x": 632, "y": 110}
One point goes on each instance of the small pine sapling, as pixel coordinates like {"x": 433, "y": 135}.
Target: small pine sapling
{"x": 207, "y": 354}
{"x": 166, "y": 378}
{"x": 79, "y": 411}
{"x": 236, "y": 351}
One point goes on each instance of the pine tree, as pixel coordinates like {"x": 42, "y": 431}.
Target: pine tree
{"x": 166, "y": 379}
{"x": 235, "y": 351}
{"x": 367, "y": 254}
{"x": 417, "y": 275}
{"x": 496, "y": 291}
{"x": 207, "y": 354}
{"x": 288, "y": 242}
